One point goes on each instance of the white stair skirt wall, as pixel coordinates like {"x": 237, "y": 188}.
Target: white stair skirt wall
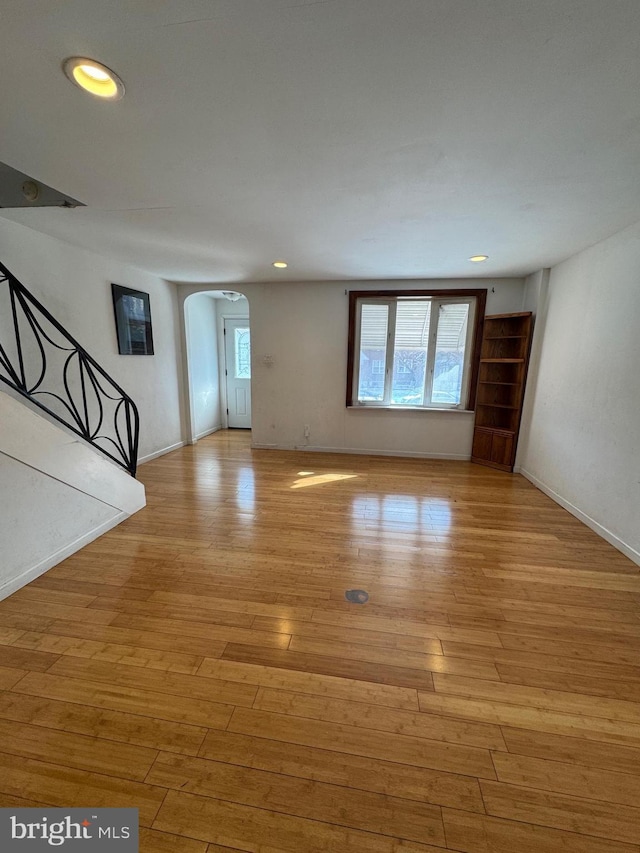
{"x": 57, "y": 494}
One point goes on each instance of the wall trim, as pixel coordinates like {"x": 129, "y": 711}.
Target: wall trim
{"x": 598, "y": 528}
{"x": 207, "y": 432}
{"x": 52, "y": 560}
{"x": 408, "y": 454}
{"x": 150, "y": 456}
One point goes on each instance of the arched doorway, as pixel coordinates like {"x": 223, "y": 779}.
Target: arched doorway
{"x": 218, "y": 356}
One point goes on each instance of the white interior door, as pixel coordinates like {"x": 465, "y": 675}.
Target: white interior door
{"x": 237, "y": 351}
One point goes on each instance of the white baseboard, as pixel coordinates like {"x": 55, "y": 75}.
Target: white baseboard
{"x": 408, "y": 454}
{"x": 208, "y": 431}
{"x": 52, "y": 560}
{"x": 157, "y": 453}
{"x": 598, "y": 528}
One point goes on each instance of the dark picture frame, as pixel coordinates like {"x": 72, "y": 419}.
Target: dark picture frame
{"x": 132, "y": 311}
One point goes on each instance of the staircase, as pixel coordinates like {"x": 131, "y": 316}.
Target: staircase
{"x": 68, "y": 442}
{"x": 41, "y": 361}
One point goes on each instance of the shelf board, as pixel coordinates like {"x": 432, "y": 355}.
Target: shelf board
{"x": 501, "y": 337}
{"x": 502, "y": 360}
{"x": 491, "y": 382}
{"x": 500, "y": 430}
{"x": 523, "y": 315}
{"x": 497, "y": 405}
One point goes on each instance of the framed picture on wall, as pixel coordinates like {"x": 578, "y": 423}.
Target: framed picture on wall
{"x": 133, "y": 320}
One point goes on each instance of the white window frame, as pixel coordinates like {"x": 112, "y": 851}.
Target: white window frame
{"x": 436, "y": 302}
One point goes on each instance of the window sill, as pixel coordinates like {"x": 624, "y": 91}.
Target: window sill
{"x": 407, "y": 409}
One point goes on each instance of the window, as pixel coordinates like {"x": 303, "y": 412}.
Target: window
{"x": 415, "y": 349}
{"x": 243, "y": 354}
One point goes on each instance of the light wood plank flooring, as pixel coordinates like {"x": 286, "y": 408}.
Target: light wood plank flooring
{"x": 201, "y": 662}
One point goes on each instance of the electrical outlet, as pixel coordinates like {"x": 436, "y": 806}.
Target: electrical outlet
{"x": 307, "y": 430}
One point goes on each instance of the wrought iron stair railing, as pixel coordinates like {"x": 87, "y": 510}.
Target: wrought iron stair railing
{"x": 44, "y": 363}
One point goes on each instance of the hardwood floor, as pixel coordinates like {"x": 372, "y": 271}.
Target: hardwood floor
{"x": 201, "y": 663}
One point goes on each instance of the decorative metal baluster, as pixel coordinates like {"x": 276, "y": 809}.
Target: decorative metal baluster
{"x": 16, "y": 328}
{"x": 78, "y": 414}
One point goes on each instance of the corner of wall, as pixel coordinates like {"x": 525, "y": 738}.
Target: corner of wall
{"x": 535, "y": 299}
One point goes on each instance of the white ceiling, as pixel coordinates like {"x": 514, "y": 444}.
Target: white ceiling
{"x": 354, "y": 138}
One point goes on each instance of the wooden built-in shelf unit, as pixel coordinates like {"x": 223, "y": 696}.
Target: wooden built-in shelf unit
{"x": 504, "y": 359}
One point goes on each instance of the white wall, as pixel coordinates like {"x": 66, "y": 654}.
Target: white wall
{"x": 581, "y": 433}
{"x": 204, "y": 370}
{"x": 534, "y": 289}
{"x": 34, "y": 528}
{"x": 56, "y": 494}
{"x": 535, "y": 299}
{"x": 303, "y": 327}
{"x": 75, "y": 286}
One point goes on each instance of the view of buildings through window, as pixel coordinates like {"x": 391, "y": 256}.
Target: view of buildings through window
{"x": 412, "y": 352}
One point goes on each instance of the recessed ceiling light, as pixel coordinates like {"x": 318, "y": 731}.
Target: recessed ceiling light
{"x": 94, "y": 77}
{"x": 478, "y": 258}
{"x": 280, "y": 265}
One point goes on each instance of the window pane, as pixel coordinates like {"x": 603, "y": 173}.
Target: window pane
{"x": 373, "y": 352}
{"x": 243, "y": 353}
{"x": 450, "y": 344}
{"x": 410, "y": 352}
